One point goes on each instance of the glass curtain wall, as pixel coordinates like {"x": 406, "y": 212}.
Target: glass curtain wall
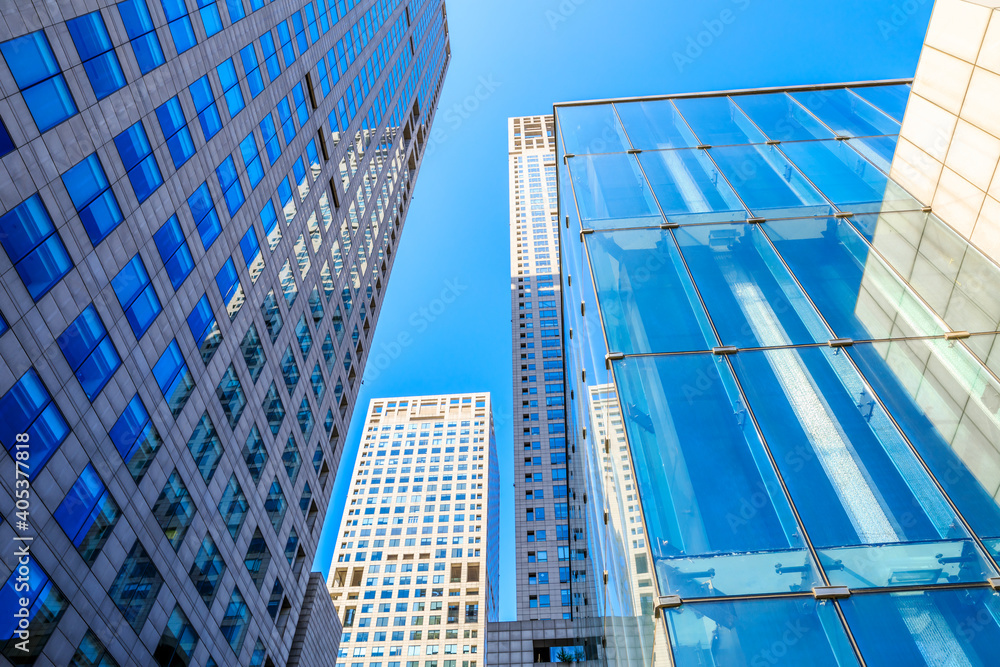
{"x": 783, "y": 371}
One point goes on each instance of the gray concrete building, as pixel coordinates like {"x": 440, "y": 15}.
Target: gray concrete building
{"x": 200, "y": 205}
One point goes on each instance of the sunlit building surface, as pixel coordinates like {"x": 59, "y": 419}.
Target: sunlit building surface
{"x": 802, "y": 356}
{"x": 415, "y": 572}
{"x": 200, "y": 204}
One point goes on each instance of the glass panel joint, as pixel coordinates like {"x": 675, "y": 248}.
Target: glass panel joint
{"x": 831, "y": 592}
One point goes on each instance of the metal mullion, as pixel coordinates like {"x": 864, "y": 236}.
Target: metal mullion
{"x": 796, "y": 167}
{"x": 873, "y": 106}
{"x": 809, "y": 111}
{"x": 876, "y": 590}
{"x": 923, "y": 464}
{"x": 975, "y": 356}
{"x": 849, "y": 632}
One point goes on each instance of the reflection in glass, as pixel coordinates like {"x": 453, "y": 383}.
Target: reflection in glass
{"x": 654, "y": 124}
{"x": 591, "y": 129}
{"x": 689, "y": 188}
{"x": 647, "y": 301}
{"x": 717, "y": 520}
{"x": 767, "y": 182}
{"x": 846, "y": 114}
{"x": 782, "y": 118}
{"x": 611, "y": 192}
{"x": 750, "y": 296}
{"x": 799, "y": 632}
{"x": 877, "y": 150}
{"x": 717, "y": 121}
{"x": 871, "y": 510}
{"x": 942, "y": 627}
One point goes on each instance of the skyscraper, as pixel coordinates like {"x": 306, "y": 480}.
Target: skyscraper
{"x": 415, "y": 571}
{"x": 200, "y": 203}
{"x": 548, "y": 565}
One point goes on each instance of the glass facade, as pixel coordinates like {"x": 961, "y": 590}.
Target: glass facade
{"x": 782, "y": 377}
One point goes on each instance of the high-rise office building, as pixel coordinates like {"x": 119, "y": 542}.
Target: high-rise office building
{"x": 200, "y": 203}
{"x": 551, "y": 560}
{"x": 415, "y": 570}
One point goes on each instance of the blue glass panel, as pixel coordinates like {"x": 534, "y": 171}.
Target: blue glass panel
{"x": 210, "y": 17}
{"x": 890, "y": 99}
{"x": 847, "y": 114}
{"x": 101, "y": 216}
{"x": 655, "y": 124}
{"x": 105, "y": 74}
{"x": 750, "y": 296}
{"x": 877, "y": 150}
{"x": 853, "y": 289}
{"x": 46, "y": 606}
{"x": 49, "y": 102}
{"x": 183, "y": 34}
{"x": 75, "y": 508}
{"x": 799, "y": 632}
{"x": 200, "y": 319}
{"x": 249, "y": 246}
{"x": 6, "y": 143}
{"x": 85, "y": 181}
{"x": 148, "y": 52}
{"x": 845, "y": 177}
{"x": 169, "y": 364}
{"x": 949, "y": 627}
{"x": 81, "y": 337}
{"x": 174, "y": 251}
{"x": 647, "y": 301}
{"x": 24, "y": 227}
{"x": 767, "y": 182}
{"x": 717, "y": 121}
{"x": 30, "y": 59}
{"x": 689, "y": 188}
{"x": 226, "y": 173}
{"x": 591, "y": 129}
{"x": 873, "y": 513}
{"x": 698, "y": 462}
{"x": 135, "y": 16}
{"x": 781, "y": 118}
{"x": 44, "y": 267}
{"x": 227, "y": 280}
{"x": 89, "y": 35}
{"x": 20, "y": 406}
{"x": 171, "y": 116}
{"x": 132, "y": 145}
{"x": 611, "y": 192}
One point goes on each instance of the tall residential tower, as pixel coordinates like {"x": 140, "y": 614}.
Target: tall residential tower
{"x": 200, "y": 203}
{"x": 415, "y": 573}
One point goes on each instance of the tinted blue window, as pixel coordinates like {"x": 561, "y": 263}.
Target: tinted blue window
{"x": 136, "y": 295}
{"x": 174, "y": 378}
{"x": 285, "y": 38}
{"x": 28, "y": 408}
{"x": 6, "y": 143}
{"x": 204, "y": 329}
{"x": 175, "y": 129}
{"x": 236, "y": 11}
{"x": 250, "y": 248}
{"x": 174, "y": 251}
{"x": 180, "y": 24}
{"x": 93, "y": 198}
{"x": 205, "y": 217}
{"x": 300, "y": 104}
{"x": 88, "y": 514}
{"x": 38, "y": 77}
{"x": 229, "y": 181}
{"x": 136, "y": 586}
{"x": 137, "y": 156}
{"x": 231, "y": 87}
{"x": 285, "y": 118}
{"x": 46, "y": 605}
{"x": 270, "y": 134}
{"x": 89, "y": 351}
{"x": 31, "y": 242}
{"x": 252, "y": 67}
{"x": 204, "y": 105}
{"x": 135, "y": 438}
{"x": 270, "y": 55}
{"x": 139, "y": 26}
{"x": 3, "y": 326}
{"x": 97, "y": 53}
{"x": 269, "y": 219}
{"x": 251, "y": 158}
{"x": 210, "y": 17}
{"x": 230, "y": 288}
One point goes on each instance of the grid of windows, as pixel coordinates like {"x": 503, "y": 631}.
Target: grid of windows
{"x": 90, "y": 36}
{"x": 91, "y": 193}
{"x": 39, "y": 78}
{"x": 89, "y": 352}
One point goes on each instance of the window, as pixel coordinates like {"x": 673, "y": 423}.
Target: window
{"x": 91, "y": 653}
{"x": 210, "y": 17}
{"x": 205, "y": 447}
{"x": 250, "y": 248}
{"x": 135, "y": 438}
{"x": 276, "y": 505}
{"x": 272, "y": 315}
{"x": 287, "y": 201}
{"x": 97, "y": 53}
{"x": 255, "y": 454}
{"x": 236, "y": 621}
{"x": 174, "y": 251}
{"x": 180, "y": 24}
{"x": 174, "y": 378}
{"x": 204, "y": 106}
{"x": 306, "y": 500}
{"x": 207, "y": 570}
{"x": 253, "y": 353}
{"x": 251, "y": 158}
{"x": 140, "y": 163}
{"x": 285, "y": 119}
{"x": 32, "y": 244}
{"x": 303, "y": 336}
{"x": 93, "y": 198}
{"x": 257, "y": 559}
{"x": 136, "y": 586}
{"x": 205, "y": 218}
{"x": 291, "y": 458}
{"x": 46, "y": 605}
{"x": 306, "y": 420}
{"x": 174, "y": 510}
{"x": 204, "y": 329}
{"x": 291, "y": 545}
{"x": 173, "y": 123}
{"x": 289, "y": 370}
{"x": 136, "y": 295}
{"x": 318, "y": 386}
{"x": 233, "y": 507}
{"x": 38, "y": 77}
{"x": 269, "y": 219}
{"x": 89, "y": 352}
{"x": 178, "y": 641}
{"x": 231, "y": 396}
{"x": 285, "y": 38}
{"x": 231, "y": 87}
{"x": 230, "y": 288}
{"x": 6, "y": 143}
{"x": 270, "y": 55}
{"x": 274, "y": 601}
{"x": 270, "y": 136}
{"x": 88, "y": 514}
{"x": 142, "y": 34}
{"x": 288, "y": 286}
{"x": 229, "y": 181}
{"x": 252, "y": 68}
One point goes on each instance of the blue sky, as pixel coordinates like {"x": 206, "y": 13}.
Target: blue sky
{"x": 445, "y": 322}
